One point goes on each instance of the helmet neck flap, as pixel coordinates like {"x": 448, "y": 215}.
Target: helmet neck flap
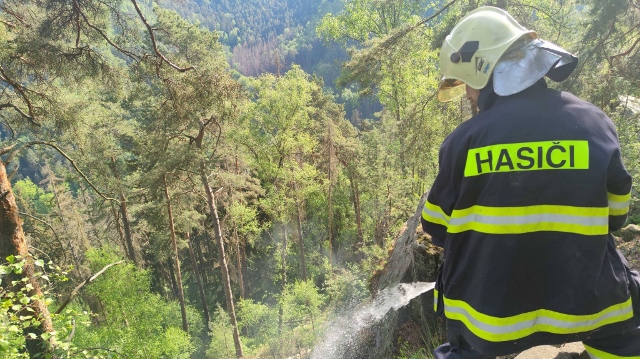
{"x": 489, "y": 43}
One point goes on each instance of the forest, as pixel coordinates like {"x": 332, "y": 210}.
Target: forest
{"x": 219, "y": 178}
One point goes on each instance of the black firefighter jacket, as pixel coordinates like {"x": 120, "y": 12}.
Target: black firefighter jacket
{"x": 526, "y": 197}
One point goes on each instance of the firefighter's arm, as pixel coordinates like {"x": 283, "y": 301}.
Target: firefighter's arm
{"x": 618, "y": 192}
{"x": 441, "y": 200}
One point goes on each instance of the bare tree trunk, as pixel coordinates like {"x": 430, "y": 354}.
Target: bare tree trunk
{"x": 127, "y": 230}
{"x": 13, "y": 242}
{"x": 245, "y": 269}
{"x": 172, "y": 278}
{"x": 283, "y": 258}
{"x": 131, "y": 254}
{"x": 301, "y": 242}
{"x": 202, "y": 266}
{"x": 355, "y": 196}
{"x": 330, "y": 199}
{"x": 116, "y": 218}
{"x": 239, "y": 262}
{"x": 222, "y": 259}
{"x": 239, "y": 259}
{"x": 196, "y": 272}
{"x": 56, "y": 196}
{"x": 176, "y": 259}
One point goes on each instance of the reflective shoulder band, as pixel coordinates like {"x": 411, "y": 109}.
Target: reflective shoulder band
{"x": 618, "y": 204}
{"x": 434, "y": 214}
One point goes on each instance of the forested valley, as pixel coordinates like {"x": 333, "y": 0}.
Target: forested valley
{"x": 218, "y": 178}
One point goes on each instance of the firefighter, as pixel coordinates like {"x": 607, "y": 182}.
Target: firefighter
{"x": 527, "y": 195}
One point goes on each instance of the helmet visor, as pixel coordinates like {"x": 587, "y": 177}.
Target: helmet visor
{"x": 450, "y": 89}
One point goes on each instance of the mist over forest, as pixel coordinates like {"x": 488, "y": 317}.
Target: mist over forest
{"x": 218, "y": 178}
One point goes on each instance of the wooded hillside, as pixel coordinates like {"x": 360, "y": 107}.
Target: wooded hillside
{"x": 215, "y": 179}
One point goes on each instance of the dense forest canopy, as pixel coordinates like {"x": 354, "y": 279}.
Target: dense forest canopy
{"x": 214, "y": 179}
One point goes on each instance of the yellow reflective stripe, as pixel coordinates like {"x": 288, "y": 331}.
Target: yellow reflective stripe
{"x": 527, "y": 219}
{"x": 618, "y": 204}
{"x": 527, "y": 156}
{"x": 530, "y": 228}
{"x": 599, "y": 354}
{"x": 435, "y": 214}
{"x": 497, "y": 329}
{"x": 526, "y": 210}
{"x": 435, "y": 300}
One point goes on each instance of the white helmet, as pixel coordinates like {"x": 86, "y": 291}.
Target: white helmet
{"x": 476, "y": 45}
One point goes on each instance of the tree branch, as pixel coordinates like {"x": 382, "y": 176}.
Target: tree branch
{"x": 79, "y": 286}
{"x": 8, "y": 125}
{"x": 154, "y": 42}
{"x": 43, "y": 222}
{"x": 8, "y": 24}
{"x": 76, "y": 19}
{"x": 549, "y": 16}
{"x": 424, "y": 21}
{"x": 105, "y": 349}
{"x": 633, "y": 46}
{"x": 73, "y": 331}
{"x": 21, "y": 91}
{"x": 7, "y": 149}
{"x": 5, "y": 105}
{"x": 106, "y": 38}
{"x": 12, "y": 13}
{"x": 73, "y": 163}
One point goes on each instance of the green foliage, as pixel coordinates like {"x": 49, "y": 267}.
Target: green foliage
{"x": 361, "y": 20}
{"x": 346, "y": 288}
{"x": 33, "y": 196}
{"x": 130, "y": 318}
{"x": 18, "y": 318}
{"x": 302, "y": 301}
{"x": 15, "y": 313}
{"x": 405, "y": 352}
{"x": 221, "y": 346}
{"x": 244, "y": 21}
{"x": 258, "y": 321}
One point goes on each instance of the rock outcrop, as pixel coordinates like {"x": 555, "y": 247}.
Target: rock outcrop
{"x": 566, "y": 351}
{"x": 630, "y": 105}
{"x": 413, "y": 259}
{"x": 630, "y": 245}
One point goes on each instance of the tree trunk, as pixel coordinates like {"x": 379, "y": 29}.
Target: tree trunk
{"x": 172, "y": 278}
{"x": 116, "y": 218}
{"x": 196, "y": 273}
{"x": 202, "y": 265}
{"x": 56, "y": 196}
{"x": 127, "y": 230}
{"x": 355, "y": 197}
{"x": 301, "y": 242}
{"x": 245, "y": 269}
{"x": 131, "y": 254}
{"x": 283, "y": 258}
{"x": 222, "y": 258}
{"x": 330, "y": 199}
{"x": 163, "y": 279}
{"x": 239, "y": 262}
{"x": 176, "y": 259}
{"x": 13, "y": 242}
